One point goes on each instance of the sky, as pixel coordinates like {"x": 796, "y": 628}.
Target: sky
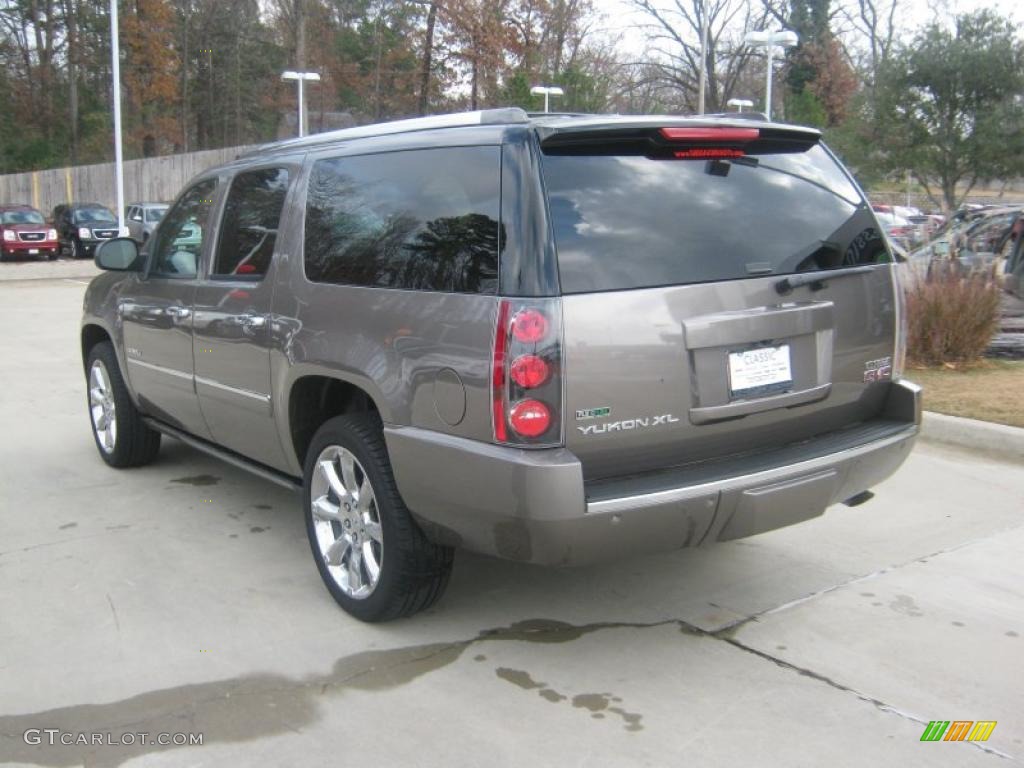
{"x": 620, "y": 17}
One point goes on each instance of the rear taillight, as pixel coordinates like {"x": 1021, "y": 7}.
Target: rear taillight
{"x": 526, "y": 372}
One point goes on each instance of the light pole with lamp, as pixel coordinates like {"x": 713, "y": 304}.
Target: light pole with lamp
{"x": 740, "y": 103}
{"x": 548, "y": 91}
{"x": 784, "y": 38}
{"x": 301, "y": 77}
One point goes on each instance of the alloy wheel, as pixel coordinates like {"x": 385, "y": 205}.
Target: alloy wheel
{"x": 101, "y": 407}
{"x": 346, "y": 522}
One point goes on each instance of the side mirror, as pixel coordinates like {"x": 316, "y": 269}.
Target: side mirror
{"x": 120, "y": 254}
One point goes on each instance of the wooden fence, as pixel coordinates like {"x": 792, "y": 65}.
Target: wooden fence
{"x": 150, "y": 179}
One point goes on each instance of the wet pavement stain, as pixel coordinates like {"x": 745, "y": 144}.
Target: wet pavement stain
{"x": 905, "y": 604}
{"x": 258, "y": 529}
{"x": 518, "y": 677}
{"x": 197, "y": 480}
{"x": 596, "y": 703}
{"x": 259, "y": 705}
{"x": 67, "y": 525}
{"x": 1011, "y": 633}
{"x": 262, "y": 506}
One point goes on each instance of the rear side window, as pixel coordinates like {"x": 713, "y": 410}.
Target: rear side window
{"x": 632, "y": 222}
{"x": 418, "y": 219}
{"x": 248, "y": 230}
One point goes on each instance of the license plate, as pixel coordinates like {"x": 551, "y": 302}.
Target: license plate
{"x": 33, "y": 251}
{"x": 761, "y": 371}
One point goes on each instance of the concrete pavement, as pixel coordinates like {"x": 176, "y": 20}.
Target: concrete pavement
{"x": 182, "y": 597}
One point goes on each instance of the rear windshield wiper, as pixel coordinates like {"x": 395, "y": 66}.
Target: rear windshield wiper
{"x": 817, "y": 280}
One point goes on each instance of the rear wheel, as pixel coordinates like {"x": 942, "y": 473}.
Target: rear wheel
{"x": 122, "y": 438}
{"x": 373, "y": 558}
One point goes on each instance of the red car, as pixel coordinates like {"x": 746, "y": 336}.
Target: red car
{"x": 24, "y": 232}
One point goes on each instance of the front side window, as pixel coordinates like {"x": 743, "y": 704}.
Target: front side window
{"x": 154, "y": 215}
{"x": 416, "y": 219}
{"x": 248, "y": 230}
{"x": 179, "y": 241}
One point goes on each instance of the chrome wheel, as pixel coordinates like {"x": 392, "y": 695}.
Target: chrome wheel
{"x": 346, "y": 522}
{"x": 101, "y": 407}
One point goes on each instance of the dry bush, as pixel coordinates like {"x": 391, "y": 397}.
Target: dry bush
{"x": 951, "y": 316}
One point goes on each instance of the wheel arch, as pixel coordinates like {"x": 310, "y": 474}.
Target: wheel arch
{"x": 313, "y": 398}
{"x": 92, "y": 334}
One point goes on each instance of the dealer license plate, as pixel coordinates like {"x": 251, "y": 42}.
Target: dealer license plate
{"x": 761, "y": 371}
{"x": 33, "y": 251}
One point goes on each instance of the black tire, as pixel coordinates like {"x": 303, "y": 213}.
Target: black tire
{"x": 413, "y": 571}
{"x": 134, "y": 443}
{"x": 75, "y": 248}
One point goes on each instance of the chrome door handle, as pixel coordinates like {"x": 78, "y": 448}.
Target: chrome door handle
{"x": 252, "y": 321}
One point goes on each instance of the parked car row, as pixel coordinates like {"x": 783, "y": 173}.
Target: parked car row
{"x": 974, "y": 239}
{"x": 73, "y": 230}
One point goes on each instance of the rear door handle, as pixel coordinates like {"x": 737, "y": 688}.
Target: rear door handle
{"x": 252, "y": 321}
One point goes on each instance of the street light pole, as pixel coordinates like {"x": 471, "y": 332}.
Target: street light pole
{"x": 703, "y": 57}
{"x": 301, "y": 77}
{"x": 115, "y": 56}
{"x": 784, "y": 38}
{"x": 547, "y": 90}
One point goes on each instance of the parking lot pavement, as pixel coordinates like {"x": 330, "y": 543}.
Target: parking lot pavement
{"x": 182, "y": 597}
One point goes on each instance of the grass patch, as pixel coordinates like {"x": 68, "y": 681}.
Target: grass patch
{"x": 990, "y": 390}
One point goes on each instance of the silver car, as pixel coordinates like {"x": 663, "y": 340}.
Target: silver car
{"x": 142, "y": 219}
{"x": 552, "y": 339}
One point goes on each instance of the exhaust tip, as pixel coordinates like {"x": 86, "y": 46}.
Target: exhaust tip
{"x": 860, "y": 498}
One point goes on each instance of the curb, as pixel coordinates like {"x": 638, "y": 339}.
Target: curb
{"x": 976, "y": 435}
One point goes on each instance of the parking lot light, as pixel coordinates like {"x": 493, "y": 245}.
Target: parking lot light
{"x": 301, "y": 78}
{"x": 784, "y": 38}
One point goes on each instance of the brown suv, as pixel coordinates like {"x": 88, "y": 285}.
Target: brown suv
{"x": 555, "y": 339}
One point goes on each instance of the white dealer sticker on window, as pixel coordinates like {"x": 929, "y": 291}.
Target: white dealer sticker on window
{"x": 761, "y": 371}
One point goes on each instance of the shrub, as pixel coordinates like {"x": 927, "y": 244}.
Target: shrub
{"x": 951, "y": 315}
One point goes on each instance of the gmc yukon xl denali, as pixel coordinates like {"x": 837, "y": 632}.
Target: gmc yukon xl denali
{"x": 554, "y": 339}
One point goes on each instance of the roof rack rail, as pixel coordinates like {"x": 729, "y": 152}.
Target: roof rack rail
{"x": 504, "y": 116}
{"x": 760, "y": 116}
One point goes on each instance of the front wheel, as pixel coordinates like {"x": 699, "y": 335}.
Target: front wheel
{"x": 75, "y": 248}
{"x": 122, "y": 437}
{"x": 373, "y": 558}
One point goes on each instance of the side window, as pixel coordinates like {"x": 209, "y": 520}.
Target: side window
{"x": 417, "y": 220}
{"x": 135, "y": 213}
{"x": 180, "y": 237}
{"x": 248, "y": 229}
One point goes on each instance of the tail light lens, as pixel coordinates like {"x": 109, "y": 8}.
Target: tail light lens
{"x": 526, "y": 372}
{"x": 530, "y": 418}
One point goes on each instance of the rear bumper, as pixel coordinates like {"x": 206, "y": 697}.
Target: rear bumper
{"x": 533, "y": 506}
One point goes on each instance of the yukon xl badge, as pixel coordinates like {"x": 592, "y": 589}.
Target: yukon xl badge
{"x": 625, "y": 425}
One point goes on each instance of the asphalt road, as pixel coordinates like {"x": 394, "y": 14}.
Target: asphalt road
{"x": 182, "y": 597}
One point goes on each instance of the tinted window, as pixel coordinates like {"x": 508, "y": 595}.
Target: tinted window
{"x": 179, "y": 240}
{"x": 155, "y": 214}
{"x": 631, "y": 222}
{"x": 419, "y": 219}
{"x": 249, "y": 226}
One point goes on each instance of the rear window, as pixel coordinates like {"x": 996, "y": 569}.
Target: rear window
{"x": 633, "y": 222}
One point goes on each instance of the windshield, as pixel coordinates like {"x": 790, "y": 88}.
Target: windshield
{"x": 632, "y": 221}
{"x": 90, "y": 215}
{"x": 23, "y": 217}
{"x": 155, "y": 214}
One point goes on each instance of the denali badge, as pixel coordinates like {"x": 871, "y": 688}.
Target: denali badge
{"x": 627, "y": 424}
{"x": 878, "y": 370}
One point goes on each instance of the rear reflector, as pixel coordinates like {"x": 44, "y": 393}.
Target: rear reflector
{"x": 498, "y": 372}
{"x": 723, "y": 134}
{"x": 706, "y": 153}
